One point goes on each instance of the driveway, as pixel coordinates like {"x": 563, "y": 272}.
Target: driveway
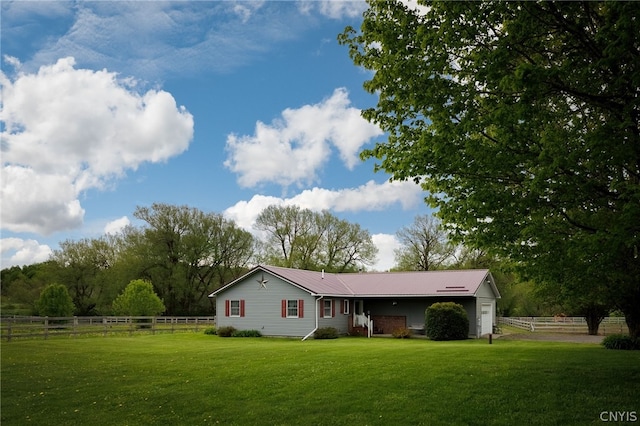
{"x": 551, "y": 337}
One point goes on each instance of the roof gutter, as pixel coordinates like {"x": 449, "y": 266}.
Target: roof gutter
{"x": 317, "y": 323}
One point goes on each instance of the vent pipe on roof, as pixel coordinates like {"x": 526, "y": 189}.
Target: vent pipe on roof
{"x": 323, "y": 274}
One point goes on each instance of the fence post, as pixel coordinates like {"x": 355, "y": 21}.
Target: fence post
{"x": 104, "y": 321}
{"x": 9, "y": 332}
{"x": 153, "y": 325}
{"x": 172, "y": 318}
{"x": 75, "y": 326}
{"x": 196, "y": 324}
{"x": 46, "y": 328}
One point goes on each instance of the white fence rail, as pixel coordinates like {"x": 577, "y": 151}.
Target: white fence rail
{"x": 46, "y": 327}
{"x": 609, "y": 325}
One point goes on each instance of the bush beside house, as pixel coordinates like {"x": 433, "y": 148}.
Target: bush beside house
{"x": 446, "y": 321}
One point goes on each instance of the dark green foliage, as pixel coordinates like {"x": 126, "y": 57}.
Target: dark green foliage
{"x": 226, "y": 331}
{"x": 446, "y": 321}
{"x": 326, "y": 333}
{"x": 246, "y": 333}
{"x": 621, "y": 341}
{"x": 211, "y": 331}
{"x": 522, "y": 126}
{"x": 401, "y": 333}
{"x": 55, "y": 301}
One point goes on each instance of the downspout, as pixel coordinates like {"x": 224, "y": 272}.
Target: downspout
{"x": 317, "y": 323}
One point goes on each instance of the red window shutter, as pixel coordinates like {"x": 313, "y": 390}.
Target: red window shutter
{"x": 333, "y": 308}
{"x": 321, "y": 308}
{"x": 284, "y": 308}
{"x": 227, "y": 306}
{"x": 300, "y": 308}
{"x": 241, "y": 308}
{"x": 342, "y": 307}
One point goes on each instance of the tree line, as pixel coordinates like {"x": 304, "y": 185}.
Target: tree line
{"x": 184, "y": 254}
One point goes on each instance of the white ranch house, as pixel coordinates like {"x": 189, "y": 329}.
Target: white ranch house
{"x": 292, "y": 302}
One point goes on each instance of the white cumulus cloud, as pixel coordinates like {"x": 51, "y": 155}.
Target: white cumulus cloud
{"x": 67, "y": 130}
{"x": 368, "y": 197}
{"x": 19, "y": 252}
{"x": 387, "y": 244}
{"x": 334, "y": 9}
{"x": 292, "y": 149}
{"x": 115, "y": 226}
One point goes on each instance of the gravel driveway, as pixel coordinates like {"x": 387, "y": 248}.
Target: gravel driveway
{"x": 552, "y": 337}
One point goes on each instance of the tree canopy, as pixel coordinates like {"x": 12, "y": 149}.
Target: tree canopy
{"x": 521, "y": 120}
{"x": 82, "y": 266}
{"x": 424, "y": 245}
{"x": 301, "y": 238}
{"x": 188, "y": 253}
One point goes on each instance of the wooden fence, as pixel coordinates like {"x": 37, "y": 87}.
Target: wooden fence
{"x": 609, "y": 325}
{"x": 46, "y": 327}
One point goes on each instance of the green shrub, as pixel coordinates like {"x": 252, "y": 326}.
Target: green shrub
{"x": 326, "y": 333}
{"x": 55, "y": 301}
{"x": 401, "y": 333}
{"x": 226, "y": 331}
{"x": 138, "y": 299}
{"x": 246, "y": 333}
{"x": 210, "y": 331}
{"x": 621, "y": 341}
{"x": 446, "y": 321}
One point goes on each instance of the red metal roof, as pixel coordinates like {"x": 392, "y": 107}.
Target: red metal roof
{"x": 380, "y": 284}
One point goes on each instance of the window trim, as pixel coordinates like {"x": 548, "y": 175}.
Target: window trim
{"x": 327, "y": 306}
{"x": 299, "y": 308}
{"x": 290, "y": 308}
{"x": 234, "y": 305}
{"x": 229, "y": 308}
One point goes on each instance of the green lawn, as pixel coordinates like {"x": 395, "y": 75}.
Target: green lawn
{"x": 191, "y": 379}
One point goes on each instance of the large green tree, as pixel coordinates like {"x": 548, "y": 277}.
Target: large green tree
{"x": 188, "y": 253}
{"x": 521, "y": 119}
{"x": 83, "y": 266}
{"x": 301, "y": 238}
{"x": 424, "y": 245}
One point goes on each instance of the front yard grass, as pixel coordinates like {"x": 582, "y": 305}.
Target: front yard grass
{"x": 190, "y": 379}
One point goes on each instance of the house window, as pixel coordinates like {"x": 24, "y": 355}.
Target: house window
{"x": 292, "y": 308}
{"x": 234, "y": 308}
{"x": 327, "y": 308}
{"x": 345, "y": 307}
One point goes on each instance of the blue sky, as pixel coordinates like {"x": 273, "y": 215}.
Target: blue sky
{"x": 220, "y": 105}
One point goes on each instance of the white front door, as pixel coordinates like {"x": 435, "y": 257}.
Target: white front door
{"x": 486, "y": 322}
